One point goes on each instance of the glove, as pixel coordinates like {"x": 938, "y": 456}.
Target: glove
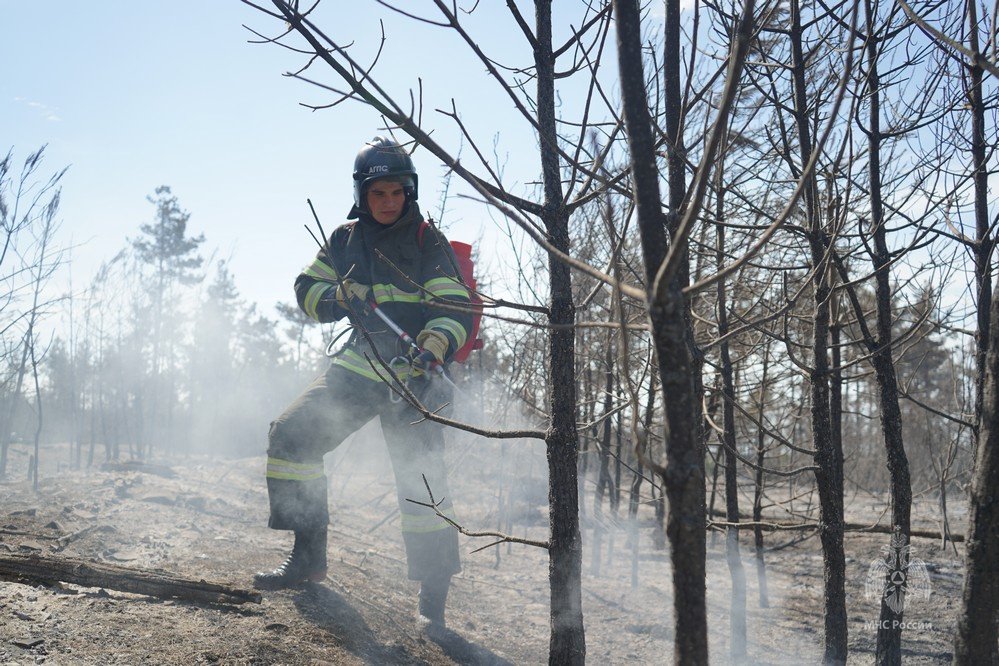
{"x": 352, "y": 293}
{"x": 434, "y": 345}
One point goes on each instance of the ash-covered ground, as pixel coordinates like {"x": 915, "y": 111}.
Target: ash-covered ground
{"x": 205, "y": 518}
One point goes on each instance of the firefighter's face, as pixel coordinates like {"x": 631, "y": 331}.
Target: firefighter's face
{"x": 386, "y": 201}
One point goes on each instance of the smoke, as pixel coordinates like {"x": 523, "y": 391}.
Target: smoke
{"x": 225, "y": 371}
{"x": 496, "y": 485}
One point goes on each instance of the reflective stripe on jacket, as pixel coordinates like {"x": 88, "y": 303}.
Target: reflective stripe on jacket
{"x": 408, "y": 277}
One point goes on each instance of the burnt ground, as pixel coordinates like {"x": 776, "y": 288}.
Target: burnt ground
{"x": 208, "y": 521}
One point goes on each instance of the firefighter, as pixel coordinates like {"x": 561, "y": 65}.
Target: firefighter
{"x": 390, "y": 255}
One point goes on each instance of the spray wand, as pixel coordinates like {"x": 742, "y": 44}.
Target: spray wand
{"x": 398, "y": 330}
{"x": 408, "y": 339}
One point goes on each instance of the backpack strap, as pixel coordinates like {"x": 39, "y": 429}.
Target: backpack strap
{"x": 419, "y": 233}
{"x": 349, "y": 226}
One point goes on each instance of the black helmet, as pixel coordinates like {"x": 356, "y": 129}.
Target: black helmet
{"x": 383, "y": 158}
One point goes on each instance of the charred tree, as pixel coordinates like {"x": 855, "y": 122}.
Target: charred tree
{"x": 678, "y": 369}
{"x": 605, "y": 483}
{"x": 737, "y": 602}
{"x": 568, "y": 643}
{"x": 828, "y": 457}
{"x": 759, "y": 481}
{"x": 51, "y": 570}
{"x": 977, "y": 639}
{"x": 889, "y": 645}
{"x": 634, "y": 498}
{"x": 985, "y": 241}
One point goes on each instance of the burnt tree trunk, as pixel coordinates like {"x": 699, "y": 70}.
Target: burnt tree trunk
{"x": 977, "y": 640}
{"x": 683, "y": 475}
{"x": 737, "y": 603}
{"x": 636, "y": 483}
{"x": 889, "y": 645}
{"x": 52, "y": 570}
{"x": 586, "y": 437}
{"x": 715, "y": 469}
{"x": 760, "y": 479}
{"x": 659, "y": 532}
{"x": 828, "y": 457}
{"x": 984, "y": 240}
{"x": 944, "y": 465}
{"x": 835, "y": 375}
{"x": 615, "y": 498}
{"x": 634, "y": 498}
{"x": 604, "y": 481}
{"x": 565, "y": 553}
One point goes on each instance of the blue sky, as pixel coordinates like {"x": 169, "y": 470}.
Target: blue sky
{"x": 133, "y": 95}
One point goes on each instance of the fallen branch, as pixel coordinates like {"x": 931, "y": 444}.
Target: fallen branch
{"x": 34, "y": 535}
{"x": 15, "y": 567}
{"x": 139, "y": 466}
{"x": 746, "y": 523}
{"x": 64, "y": 541}
{"x": 887, "y": 529}
{"x": 768, "y": 526}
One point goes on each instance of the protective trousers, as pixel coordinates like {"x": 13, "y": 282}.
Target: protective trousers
{"x": 335, "y": 405}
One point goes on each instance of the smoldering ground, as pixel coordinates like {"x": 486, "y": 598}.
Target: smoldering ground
{"x": 208, "y": 520}
{"x": 501, "y": 486}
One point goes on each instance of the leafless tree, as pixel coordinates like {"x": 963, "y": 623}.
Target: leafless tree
{"x": 28, "y": 206}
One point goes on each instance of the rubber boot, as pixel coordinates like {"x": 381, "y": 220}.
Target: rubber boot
{"x": 307, "y": 563}
{"x": 433, "y": 595}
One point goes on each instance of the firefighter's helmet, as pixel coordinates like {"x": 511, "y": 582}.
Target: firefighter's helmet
{"x": 383, "y": 158}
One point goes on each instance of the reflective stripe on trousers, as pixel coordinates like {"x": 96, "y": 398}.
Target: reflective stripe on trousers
{"x": 293, "y": 471}
{"x": 426, "y": 522}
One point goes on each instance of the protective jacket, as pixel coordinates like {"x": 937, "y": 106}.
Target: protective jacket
{"x": 408, "y": 270}
{"x": 410, "y": 274}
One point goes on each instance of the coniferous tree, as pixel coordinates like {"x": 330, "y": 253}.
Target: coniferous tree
{"x": 170, "y": 257}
